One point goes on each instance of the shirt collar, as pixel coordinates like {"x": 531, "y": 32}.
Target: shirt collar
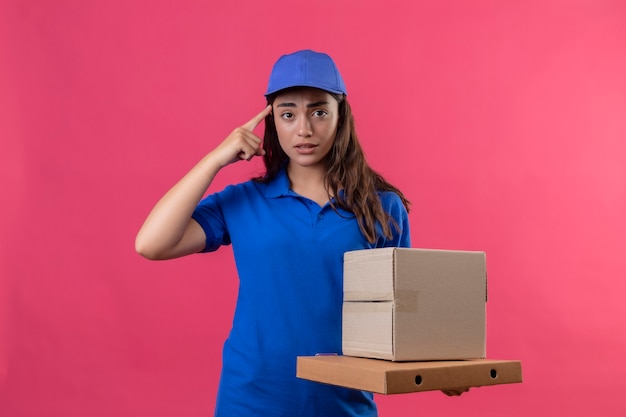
{"x": 279, "y": 186}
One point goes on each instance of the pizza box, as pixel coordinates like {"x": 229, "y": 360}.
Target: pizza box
{"x": 387, "y": 377}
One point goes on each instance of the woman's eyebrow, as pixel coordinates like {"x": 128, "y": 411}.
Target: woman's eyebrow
{"x": 289, "y": 104}
{"x": 317, "y": 103}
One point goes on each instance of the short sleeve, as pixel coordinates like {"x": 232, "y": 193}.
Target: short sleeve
{"x": 393, "y": 205}
{"x": 210, "y": 217}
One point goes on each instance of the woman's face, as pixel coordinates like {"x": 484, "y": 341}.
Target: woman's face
{"x": 306, "y": 122}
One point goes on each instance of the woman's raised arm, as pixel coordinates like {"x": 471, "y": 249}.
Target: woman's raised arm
{"x": 169, "y": 231}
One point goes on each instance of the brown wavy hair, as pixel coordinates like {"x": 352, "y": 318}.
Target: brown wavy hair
{"x": 346, "y": 169}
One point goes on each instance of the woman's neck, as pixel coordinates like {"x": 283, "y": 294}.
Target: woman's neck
{"x": 308, "y": 182}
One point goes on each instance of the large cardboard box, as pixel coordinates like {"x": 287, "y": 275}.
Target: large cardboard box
{"x": 386, "y": 377}
{"x": 407, "y": 304}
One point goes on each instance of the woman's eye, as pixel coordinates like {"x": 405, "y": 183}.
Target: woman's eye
{"x": 320, "y": 113}
{"x": 287, "y": 115}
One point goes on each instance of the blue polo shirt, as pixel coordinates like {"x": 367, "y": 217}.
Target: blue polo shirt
{"x": 289, "y": 256}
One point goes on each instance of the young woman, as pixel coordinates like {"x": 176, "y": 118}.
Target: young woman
{"x": 289, "y": 230}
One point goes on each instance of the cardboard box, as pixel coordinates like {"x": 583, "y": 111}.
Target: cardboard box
{"x": 406, "y": 304}
{"x": 385, "y": 377}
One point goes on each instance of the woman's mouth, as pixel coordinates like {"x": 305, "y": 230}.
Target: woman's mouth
{"x": 305, "y": 148}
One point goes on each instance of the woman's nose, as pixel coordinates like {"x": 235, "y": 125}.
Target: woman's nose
{"x": 304, "y": 128}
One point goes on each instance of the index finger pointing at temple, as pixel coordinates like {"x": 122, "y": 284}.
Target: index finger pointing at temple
{"x": 254, "y": 122}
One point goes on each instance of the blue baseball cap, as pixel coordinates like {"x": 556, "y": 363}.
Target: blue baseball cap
{"x": 306, "y": 69}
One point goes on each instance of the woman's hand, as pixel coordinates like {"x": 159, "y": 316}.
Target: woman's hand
{"x": 455, "y": 392}
{"x": 242, "y": 143}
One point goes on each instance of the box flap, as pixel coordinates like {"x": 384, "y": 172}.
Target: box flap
{"x": 368, "y": 275}
{"x": 367, "y": 329}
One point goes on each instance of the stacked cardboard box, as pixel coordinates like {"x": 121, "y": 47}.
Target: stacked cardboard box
{"x": 404, "y": 304}
{"x": 423, "y": 311}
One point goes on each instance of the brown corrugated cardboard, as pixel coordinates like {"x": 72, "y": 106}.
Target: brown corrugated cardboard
{"x": 407, "y": 304}
{"x": 385, "y": 377}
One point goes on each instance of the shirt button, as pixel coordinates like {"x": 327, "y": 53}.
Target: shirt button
{"x": 319, "y": 216}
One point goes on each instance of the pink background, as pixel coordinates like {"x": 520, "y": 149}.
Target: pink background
{"x": 503, "y": 122}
